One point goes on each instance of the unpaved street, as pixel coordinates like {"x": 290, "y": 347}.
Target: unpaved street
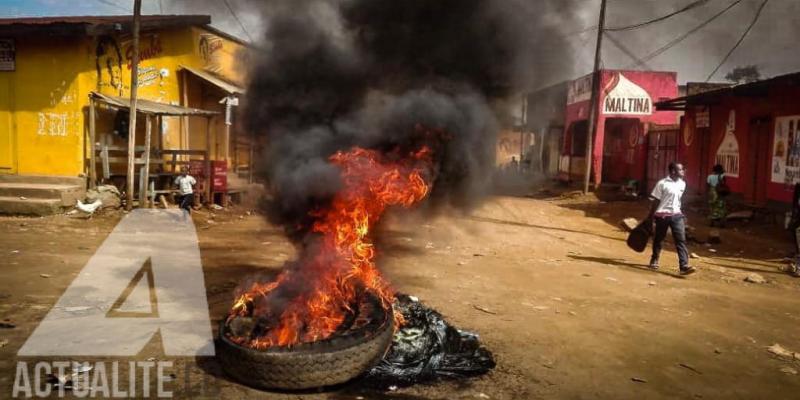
{"x": 549, "y": 284}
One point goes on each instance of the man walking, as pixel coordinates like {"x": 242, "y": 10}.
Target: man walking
{"x": 666, "y": 210}
{"x": 184, "y": 182}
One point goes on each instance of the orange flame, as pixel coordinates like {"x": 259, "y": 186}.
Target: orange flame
{"x": 343, "y": 265}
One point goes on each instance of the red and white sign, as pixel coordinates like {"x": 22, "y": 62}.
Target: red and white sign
{"x": 623, "y": 97}
{"x": 580, "y": 90}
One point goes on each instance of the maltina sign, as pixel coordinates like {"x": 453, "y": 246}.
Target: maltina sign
{"x": 626, "y": 98}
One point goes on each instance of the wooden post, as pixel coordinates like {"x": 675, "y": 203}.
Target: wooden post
{"x": 227, "y": 143}
{"x": 209, "y": 171}
{"x": 236, "y": 152}
{"x": 137, "y": 10}
{"x": 185, "y": 118}
{"x": 251, "y": 162}
{"x": 92, "y": 160}
{"x": 146, "y": 168}
{"x": 593, "y": 104}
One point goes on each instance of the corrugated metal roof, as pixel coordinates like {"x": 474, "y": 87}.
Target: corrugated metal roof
{"x": 227, "y": 87}
{"x": 713, "y": 96}
{"x": 151, "y": 107}
{"x": 96, "y": 24}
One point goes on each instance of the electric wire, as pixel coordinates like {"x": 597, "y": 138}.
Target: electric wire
{"x": 241, "y": 25}
{"x": 688, "y": 7}
{"x": 741, "y": 39}
{"x": 683, "y": 36}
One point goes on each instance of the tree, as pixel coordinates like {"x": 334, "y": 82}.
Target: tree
{"x": 745, "y": 74}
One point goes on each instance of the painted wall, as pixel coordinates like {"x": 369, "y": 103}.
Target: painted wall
{"x": 44, "y": 103}
{"x": 624, "y": 94}
{"x": 754, "y": 130}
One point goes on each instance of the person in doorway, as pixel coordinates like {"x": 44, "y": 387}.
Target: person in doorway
{"x": 185, "y": 184}
{"x": 514, "y": 165}
{"x": 717, "y": 191}
{"x": 666, "y": 212}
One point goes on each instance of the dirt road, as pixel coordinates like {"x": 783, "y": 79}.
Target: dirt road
{"x": 549, "y": 284}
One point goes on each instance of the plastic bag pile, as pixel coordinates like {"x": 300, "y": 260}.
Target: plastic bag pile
{"x": 427, "y": 348}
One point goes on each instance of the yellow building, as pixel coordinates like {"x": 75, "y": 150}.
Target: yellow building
{"x": 50, "y": 66}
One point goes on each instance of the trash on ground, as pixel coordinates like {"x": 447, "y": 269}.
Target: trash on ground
{"x": 789, "y": 371}
{"x": 754, "y": 278}
{"x": 780, "y": 351}
{"x": 486, "y": 310}
{"x": 690, "y": 368}
{"x": 694, "y": 255}
{"x": 640, "y": 380}
{"x": 427, "y": 348}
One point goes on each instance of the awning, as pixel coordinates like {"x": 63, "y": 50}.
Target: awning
{"x": 151, "y": 107}
{"x": 227, "y": 87}
{"x": 754, "y": 90}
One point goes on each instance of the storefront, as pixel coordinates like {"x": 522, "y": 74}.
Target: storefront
{"x": 752, "y": 130}
{"x": 625, "y": 115}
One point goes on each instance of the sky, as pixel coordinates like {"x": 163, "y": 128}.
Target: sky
{"x": 771, "y": 44}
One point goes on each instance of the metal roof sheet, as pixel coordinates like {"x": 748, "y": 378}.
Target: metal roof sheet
{"x": 151, "y": 107}
{"x": 226, "y": 86}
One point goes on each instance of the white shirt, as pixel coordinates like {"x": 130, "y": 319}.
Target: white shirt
{"x": 185, "y": 183}
{"x": 668, "y": 192}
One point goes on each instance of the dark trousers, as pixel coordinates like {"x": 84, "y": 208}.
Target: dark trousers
{"x": 677, "y": 224}
{"x": 186, "y": 202}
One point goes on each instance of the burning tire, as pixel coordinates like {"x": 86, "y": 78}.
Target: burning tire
{"x": 309, "y": 365}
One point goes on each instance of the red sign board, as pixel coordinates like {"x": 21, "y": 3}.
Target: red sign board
{"x": 219, "y": 179}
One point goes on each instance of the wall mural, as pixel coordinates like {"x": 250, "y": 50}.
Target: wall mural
{"x": 728, "y": 150}
{"x": 210, "y": 47}
{"x": 786, "y": 150}
{"x": 108, "y": 61}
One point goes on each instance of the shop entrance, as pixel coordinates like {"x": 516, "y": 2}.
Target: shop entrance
{"x": 619, "y": 149}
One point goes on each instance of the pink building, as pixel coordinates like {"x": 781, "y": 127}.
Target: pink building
{"x": 626, "y": 116}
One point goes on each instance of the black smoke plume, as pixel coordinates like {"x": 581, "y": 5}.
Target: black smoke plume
{"x": 377, "y": 74}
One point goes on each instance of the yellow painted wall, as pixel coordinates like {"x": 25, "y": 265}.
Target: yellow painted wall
{"x": 44, "y": 103}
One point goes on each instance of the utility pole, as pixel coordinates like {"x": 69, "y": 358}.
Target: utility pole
{"x": 137, "y": 14}
{"x": 593, "y": 106}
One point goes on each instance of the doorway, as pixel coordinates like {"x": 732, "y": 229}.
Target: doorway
{"x": 662, "y": 149}
{"x": 7, "y": 149}
{"x": 758, "y": 156}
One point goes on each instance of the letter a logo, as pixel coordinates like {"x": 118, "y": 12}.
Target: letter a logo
{"x": 145, "y": 278}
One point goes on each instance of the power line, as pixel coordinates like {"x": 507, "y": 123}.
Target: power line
{"x": 688, "y": 7}
{"x": 241, "y": 25}
{"x": 680, "y": 38}
{"x": 111, "y": 3}
{"x": 741, "y": 39}
{"x": 625, "y": 50}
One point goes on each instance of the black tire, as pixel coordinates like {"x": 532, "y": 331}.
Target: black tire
{"x": 324, "y": 363}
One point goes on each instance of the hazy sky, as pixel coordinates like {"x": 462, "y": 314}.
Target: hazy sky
{"x": 772, "y": 44}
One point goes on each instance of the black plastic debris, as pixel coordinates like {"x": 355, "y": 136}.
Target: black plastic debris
{"x": 427, "y": 348}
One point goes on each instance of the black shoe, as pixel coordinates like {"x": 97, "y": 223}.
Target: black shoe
{"x": 653, "y": 265}
{"x": 688, "y": 270}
